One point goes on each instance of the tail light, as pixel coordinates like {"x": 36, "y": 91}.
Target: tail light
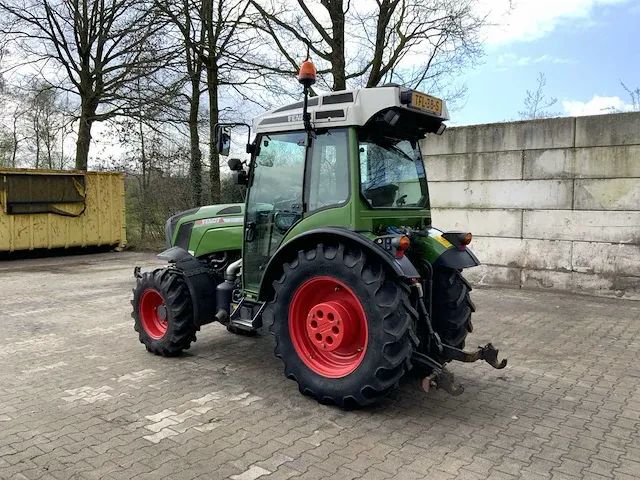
{"x": 402, "y": 244}
{"x": 459, "y": 239}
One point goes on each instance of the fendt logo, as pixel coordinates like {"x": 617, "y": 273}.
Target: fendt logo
{"x": 210, "y": 221}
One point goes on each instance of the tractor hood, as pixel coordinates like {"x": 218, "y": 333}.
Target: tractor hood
{"x": 179, "y": 227}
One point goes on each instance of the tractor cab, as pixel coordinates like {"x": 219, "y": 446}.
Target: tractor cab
{"x": 337, "y": 256}
{"x": 356, "y": 165}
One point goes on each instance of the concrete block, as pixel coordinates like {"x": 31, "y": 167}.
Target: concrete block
{"x": 493, "y": 275}
{"x": 611, "y": 129}
{"x": 607, "y": 194}
{"x": 600, "y": 285}
{"x": 474, "y": 166}
{"x": 597, "y": 162}
{"x": 607, "y": 258}
{"x": 499, "y": 137}
{"x": 597, "y": 226}
{"x": 523, "y": 253}
{"x": 484, "y": 222}
{"x": 533, "y": 194}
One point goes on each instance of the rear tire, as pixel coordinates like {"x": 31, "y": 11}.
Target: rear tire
{"x": 372, "y": 347}
{"x": 452, "y": 306}
{"x": 163, "y": 313}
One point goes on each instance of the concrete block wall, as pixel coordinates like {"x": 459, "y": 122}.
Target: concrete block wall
{"x": 551, "y": 203}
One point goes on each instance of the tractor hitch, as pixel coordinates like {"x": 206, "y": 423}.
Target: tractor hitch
{"x": 488, "y": 353}
{"x": 443, "y": 380}
{"x": 440, "y": 376}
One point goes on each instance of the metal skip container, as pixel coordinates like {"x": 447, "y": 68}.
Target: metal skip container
{"x": 42, "y": 209}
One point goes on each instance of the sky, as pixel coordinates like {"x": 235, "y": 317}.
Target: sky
{"x": 583, "y": 47}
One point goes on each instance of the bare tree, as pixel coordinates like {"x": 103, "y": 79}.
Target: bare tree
{"x": 365, "y": 44}
{"x": 98, "y": 45}
{"x": 537, "y": 103}
{"x": 45, "y": 119}
{"x": 211, "y": 44}
{"x": 222, "y": 46}
{"x": 14, "y": 123}
{"x": 187, "y": 17}
{"x": 634, "y": 96}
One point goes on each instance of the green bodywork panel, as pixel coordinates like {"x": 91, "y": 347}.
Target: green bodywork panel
{"x": 212, "y": 230}
{"x": 218, "y": 239}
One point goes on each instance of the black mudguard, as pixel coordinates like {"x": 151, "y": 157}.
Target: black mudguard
{"x": 457, "y": 259}
{"x": 402, "y": 267}
{"x": 202, "y": 285}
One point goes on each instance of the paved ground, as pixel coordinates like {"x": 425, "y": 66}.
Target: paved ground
{"x": 81, "y": 398}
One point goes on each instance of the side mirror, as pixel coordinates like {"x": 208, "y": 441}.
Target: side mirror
{"x": 235, "y": 164}
{"x": 240, "y": 177}
{"x": 222, "y": 140}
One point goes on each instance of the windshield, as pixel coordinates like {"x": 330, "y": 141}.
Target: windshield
{"x": 392, "y": 173}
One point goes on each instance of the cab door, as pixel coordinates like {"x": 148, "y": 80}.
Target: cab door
{"x": 275, "y": 200}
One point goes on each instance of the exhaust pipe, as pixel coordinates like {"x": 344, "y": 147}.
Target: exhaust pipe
{"x": 224, "y": 291}
{"x": 232, "y": 270}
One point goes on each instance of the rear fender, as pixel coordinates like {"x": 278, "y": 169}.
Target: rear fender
{"x": 438, "y": 251}
{"x": 402, "y": 268}
{"x": 199, "y": 281}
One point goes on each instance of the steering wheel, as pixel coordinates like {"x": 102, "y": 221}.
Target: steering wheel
{"x": 401, "y": 201}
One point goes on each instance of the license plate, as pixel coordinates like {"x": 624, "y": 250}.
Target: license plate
{"x": 426, "y": 102}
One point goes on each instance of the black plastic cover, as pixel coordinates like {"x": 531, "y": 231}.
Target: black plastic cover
{"x": 199, "y": 280}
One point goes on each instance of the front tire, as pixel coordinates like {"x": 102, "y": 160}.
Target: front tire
{"x": 163, "y": 313}
{"x": 344, "y": 330}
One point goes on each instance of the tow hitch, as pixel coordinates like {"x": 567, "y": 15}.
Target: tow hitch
{"x": 443, "y": 378}
{"x": 440, "y": 377}
{"x": 488, "y": 353}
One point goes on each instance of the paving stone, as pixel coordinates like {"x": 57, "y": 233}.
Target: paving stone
{"x": 93, "y": 404}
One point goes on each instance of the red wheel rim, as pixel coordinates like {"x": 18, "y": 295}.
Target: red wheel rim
{"x": 328, "y": 327}
{"x": 153, "y": 313}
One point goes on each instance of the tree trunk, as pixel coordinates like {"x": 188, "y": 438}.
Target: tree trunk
{"x": 84, "y": 137}
{"x": 36, "y": 131}
{"x": 338, "y": 63}
{"x": 15, "y": 141}
{"x": 48, "y": 147}
{"x": 384, "y": 17}
{"x": 214, "y": 158}
{"x": 195, "y": 166}
{"x": 145, "y": 185}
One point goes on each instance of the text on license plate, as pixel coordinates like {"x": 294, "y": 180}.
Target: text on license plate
{"x": 426, "y": 102}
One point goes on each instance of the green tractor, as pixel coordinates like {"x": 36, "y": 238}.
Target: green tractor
{"x": 333, "y": 252}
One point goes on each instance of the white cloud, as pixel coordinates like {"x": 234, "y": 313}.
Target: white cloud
{"x": 514, "y": 60}
{"x": 596, "y": 106}
{"x": 533, "y": 19}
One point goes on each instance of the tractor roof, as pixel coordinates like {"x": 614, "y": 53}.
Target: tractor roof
{"x": 355, "y": 108}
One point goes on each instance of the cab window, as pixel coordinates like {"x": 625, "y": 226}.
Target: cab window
{"x": 328, "y": 177}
